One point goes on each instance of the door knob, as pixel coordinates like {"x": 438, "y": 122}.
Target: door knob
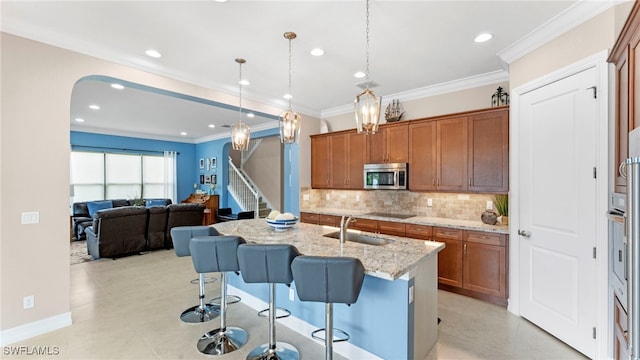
{"x": 524, "y": 233}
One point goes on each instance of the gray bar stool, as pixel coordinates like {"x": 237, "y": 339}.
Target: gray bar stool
{"x": 219, "y": 254}
{"x": 269, "y": 264}
{"x": 181, "y": 236}
{"x": 328, "y": 280}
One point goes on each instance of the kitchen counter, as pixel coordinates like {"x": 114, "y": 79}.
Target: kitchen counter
{"x": 399, "y": 290}
{"x": 420, "y": 220}
{"x": 388, "y": 262}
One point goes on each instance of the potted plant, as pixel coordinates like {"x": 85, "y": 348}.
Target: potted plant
{"x": 502, "y": 206}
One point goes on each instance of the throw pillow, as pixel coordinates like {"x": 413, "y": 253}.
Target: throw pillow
{"x": 94, "y": 206}
{"x": 156, "y": 202}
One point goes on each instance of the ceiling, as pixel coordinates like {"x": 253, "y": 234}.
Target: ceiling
{"x": 414, "y": 45}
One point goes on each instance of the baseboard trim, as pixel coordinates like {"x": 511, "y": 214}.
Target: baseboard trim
{"x": 35, "y": 328}
{"x": 302, "y": 327}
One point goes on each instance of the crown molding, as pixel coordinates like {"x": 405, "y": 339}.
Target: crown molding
{"x": 427, "y": 91}
{"x": 573, "y": 16}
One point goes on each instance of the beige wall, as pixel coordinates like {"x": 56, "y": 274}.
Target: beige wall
{"x": 310, "y": 126}
{"x": 453, "y": 102}
{"x": 37, "y": 81}
{"x": 264, "y": 167}
{"x": 586, "y": 39}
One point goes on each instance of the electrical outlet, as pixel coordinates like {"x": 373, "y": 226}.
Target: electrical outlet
{"x": 292, "y": 296}
{"x": 410, "y": 294}
{"x": 305, "y": 197}
{"x": 357, "y": 197}
{"x": 30, "y": 217}
{"x": 327, "y": 196}
{"x": 28, "y": 302}
{"x": 429, "y": 202}
{"x": 489, "y": 205}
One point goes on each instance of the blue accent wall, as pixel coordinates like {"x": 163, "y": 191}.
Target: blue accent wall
{"x": 220, "y": 149}
{"x": 188, "y": 162}
{"x": 112, "y": 143}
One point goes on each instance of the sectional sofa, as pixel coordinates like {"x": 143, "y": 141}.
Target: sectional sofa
{"x": 126, "y": 230}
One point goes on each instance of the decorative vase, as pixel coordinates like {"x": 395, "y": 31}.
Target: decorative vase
{"x": 489, "y": 217}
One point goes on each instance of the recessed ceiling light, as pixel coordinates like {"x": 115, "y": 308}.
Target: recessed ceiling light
{"x": 359, "y": 75}
{"x": 212, "y": 126}
{"x": 317, "y": 52}
{"x": 250, "y": 115}
{"x": 94, "y": 107}
{"x": 117, "y": 86}
{"x": 184, "y": 133}
{"x": 483, "y": 37}
{"x": 153, "y": 53}
{"x": 244, "y": 82}
{"x": 221, "y": 0}
{"x": 288, "y": 96}
{"x": 79, "y": 120}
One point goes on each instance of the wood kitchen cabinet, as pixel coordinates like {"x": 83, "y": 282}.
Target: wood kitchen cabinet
{"x": 473, "y": 263}
{"x": 449, "y": 258}
{"x": 309, "y": 218}
{"x": 625, "y": 55}
{"x": 620, "y": 340}
{"x": 337, "y": 160}
{"x": 488, "y": 161}
{"x": 423, "y": 232}
{"x": 378, "y": 226}
{"x": 389, "y": 144}
{"x": 438, "y": 154}
{"x": 320, "y": 160}
{"x": 348, "y": 153}
{"x": 319, "y": 219}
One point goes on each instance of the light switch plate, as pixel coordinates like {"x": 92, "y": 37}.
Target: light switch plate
{"x": 410, "y": 294}
{"x": 292, "y": 295}
{"x": 28, "y": 302}
{"x": 30, "y": 217}
{"x": 305, "y": 197}
{"x": 489, "y": 205}
{"x": 429, "y": 202}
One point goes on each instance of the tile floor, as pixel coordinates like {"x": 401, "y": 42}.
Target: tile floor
{"x": 129, "y": 309}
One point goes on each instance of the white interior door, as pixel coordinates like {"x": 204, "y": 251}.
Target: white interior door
{"x": 558, "y": 209}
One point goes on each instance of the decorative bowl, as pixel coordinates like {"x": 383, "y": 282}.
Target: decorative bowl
{"x": 281, "y": 225}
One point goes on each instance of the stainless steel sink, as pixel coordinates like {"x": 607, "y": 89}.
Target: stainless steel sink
{"x": 360, "y": 238}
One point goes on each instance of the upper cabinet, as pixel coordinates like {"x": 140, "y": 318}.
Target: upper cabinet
{"x": 337, "y": 160}
{"x": 465, "y": 152}
{"x": 625, "y": 57}
{"x": 389, "y": 144}
{"x": 488, "y": 169}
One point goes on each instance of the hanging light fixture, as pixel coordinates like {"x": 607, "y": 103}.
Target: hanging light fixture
{"x": 289, "y": 120}
{"x": 241, "y": 133}
{"x": 367, "y": 105}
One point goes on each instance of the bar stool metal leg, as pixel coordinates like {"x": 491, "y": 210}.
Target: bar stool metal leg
{"x": 202, "y": 312}
{"x": 224, "y": 339}
{"x": 273, "y": 350}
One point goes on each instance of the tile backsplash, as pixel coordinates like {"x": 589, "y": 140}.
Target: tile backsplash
{"x": 444, "y": 205}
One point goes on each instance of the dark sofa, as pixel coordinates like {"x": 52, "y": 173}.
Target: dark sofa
{"x": 126, "y": 230}
{"x": 81, "y": 219}
{"x": 117, "y": 232}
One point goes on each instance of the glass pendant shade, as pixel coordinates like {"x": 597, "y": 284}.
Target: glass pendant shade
{"x": 289, "y": 127}
{"x": 367, "y": 107}
{"x": 240, "y": 136}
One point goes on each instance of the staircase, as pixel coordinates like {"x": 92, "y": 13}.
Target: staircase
{"x": 245, "y": 192}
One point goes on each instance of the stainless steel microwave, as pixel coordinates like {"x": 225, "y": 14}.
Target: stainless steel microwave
{"x": 388, "y": 176}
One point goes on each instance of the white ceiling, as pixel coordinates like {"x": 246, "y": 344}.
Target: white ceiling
{"x": 414, "y": 45}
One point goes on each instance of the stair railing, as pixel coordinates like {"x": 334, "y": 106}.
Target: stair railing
{"x": 242, "y": 191}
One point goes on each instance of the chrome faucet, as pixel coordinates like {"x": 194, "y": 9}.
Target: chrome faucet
{"x": 344, "y": 225}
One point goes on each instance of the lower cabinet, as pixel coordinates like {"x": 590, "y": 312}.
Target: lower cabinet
{"x": 473, "y": 263}
{"x": 620, "y": 348}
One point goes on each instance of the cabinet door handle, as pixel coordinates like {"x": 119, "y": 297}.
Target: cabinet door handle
{"x": 469, "y": 181}
{"x": 433, "y": 180}
{"x": 465, "y": 249}
{"x": 438, "y": 182}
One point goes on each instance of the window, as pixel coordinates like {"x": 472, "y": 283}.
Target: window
{"x": 98, "y": 176}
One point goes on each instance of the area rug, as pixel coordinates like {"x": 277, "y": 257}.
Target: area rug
{"x": 79, "y": 252}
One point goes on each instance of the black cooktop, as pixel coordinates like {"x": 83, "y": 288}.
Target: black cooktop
{"x": 391, "y": 215}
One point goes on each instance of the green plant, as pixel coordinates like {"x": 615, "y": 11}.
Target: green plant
{"x": 502, "y": 204}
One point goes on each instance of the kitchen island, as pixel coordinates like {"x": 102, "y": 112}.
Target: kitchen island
{"x": 395, "y": 316}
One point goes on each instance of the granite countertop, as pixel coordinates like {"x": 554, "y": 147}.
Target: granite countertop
{"x": 388, "y": 262}
{"x": 420, "y": 220}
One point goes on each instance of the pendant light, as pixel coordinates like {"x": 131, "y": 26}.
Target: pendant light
{"x": 367, "y": 105}
{"x": 240, "y": 135}
{"x": 289, "y": 120}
